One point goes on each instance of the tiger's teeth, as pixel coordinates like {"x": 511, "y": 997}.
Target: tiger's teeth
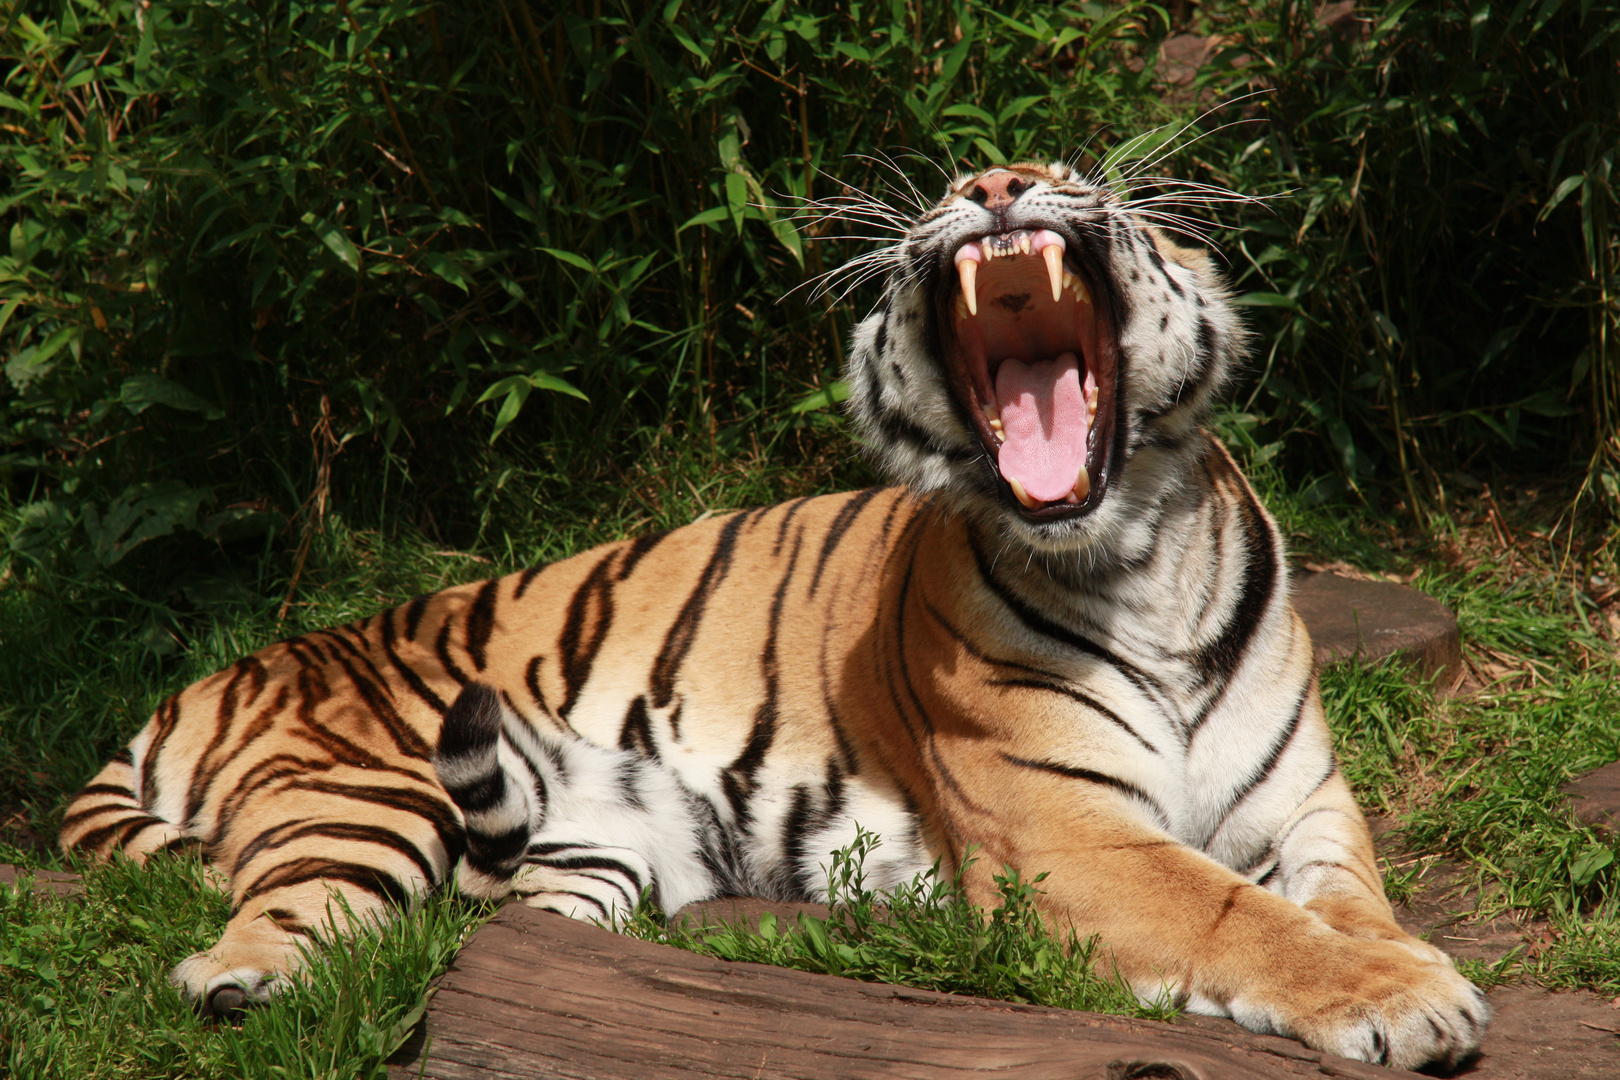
{"x": 1091, "y": 403}
{"x": 1079, "y": 287}
{"x": 1054, "y": 270}
{"x": 995, "y": 426}
{"x": 1021, "y": 495}
{"x": 968, "y": 271}
{"x": 1082, "y": 485}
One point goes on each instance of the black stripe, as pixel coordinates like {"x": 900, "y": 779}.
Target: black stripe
{"x": 585, "y": 627}
{"x": 1226, "y": 908}
{"x": 1076, "y": 773}
{"x": 482, "y": 794}
{"x": 118, "y": 790}
{"x": 370, "y": 879}
{"x": 1040, "y": 624}
{"x": 902, "y": 659}
{"x": 898, "y": 427}
{"x": 551, "y": 847}
{"x": 413, "y": 616}
{"x": 97, "y": 838}
{"x": 792, "y": 509}
{"x": 1282, "y": 840}
{"x": 205, "y": 771}
{"x": 404, "y": 670}
{"x": 531, "y": 679}
{"x": 525, "y": 579}
{"x": 1084, "y": 699}
{"x": 591, "y": 900}
{"x": 281, "y": 835}
{"x": 1263, "y": 773}
{"x": 441, "y": 648}
{"x": 635, "y": 733}
{"x": 163, "y": 724}
{"x": 381, "y": 703}
{"x": 481, "y": 621}
{"x": 135, "y": 828}
{"x": 287, "y": 921}
{"x": 497, "y": 855}
{"x": 840, "y": 525}
{"x": 589, "y": 862}
{"x": 80, "y": 816}
{"x": 795, "y": 826}
{"x": 636, "y": 552}
{"x": 683, "y": 631}
{"x": 1218, "y": 662}
{"x": 737, "y": 780}
{"x": 431, "y": 808}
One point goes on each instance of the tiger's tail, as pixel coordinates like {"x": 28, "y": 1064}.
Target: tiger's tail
{"x": 111, "y": 813}
{"x": 496, "y": 808}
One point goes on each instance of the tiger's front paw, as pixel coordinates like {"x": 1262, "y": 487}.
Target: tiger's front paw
{"x": 223, "y": 992}
{"x": 1388, "y": 1003}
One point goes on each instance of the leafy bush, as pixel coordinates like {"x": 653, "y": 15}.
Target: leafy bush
{"x": 262, "y": 252}
{"x": 448, "y": 267}
{"x": 1439, "y": 290}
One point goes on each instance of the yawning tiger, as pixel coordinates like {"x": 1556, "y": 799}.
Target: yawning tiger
{"x": 1064, "y": 638}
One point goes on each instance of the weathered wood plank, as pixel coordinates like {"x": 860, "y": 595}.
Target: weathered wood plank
{"x": 534, "y": 994}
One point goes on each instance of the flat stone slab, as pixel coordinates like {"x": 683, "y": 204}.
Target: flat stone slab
{"x": 1351, "y": 618}
{"x": 1595, "y": 798}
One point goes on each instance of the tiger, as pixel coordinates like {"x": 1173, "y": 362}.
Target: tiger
{"x": 1060, "y": 641}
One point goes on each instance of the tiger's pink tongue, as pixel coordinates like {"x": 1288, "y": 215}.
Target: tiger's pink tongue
{"x": 1043, "y": 415}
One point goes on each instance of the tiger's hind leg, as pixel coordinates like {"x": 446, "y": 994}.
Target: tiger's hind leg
{"x": 568, "y": 826}
{"x": 107, "y": 815}
{"x": 325, "y": 855}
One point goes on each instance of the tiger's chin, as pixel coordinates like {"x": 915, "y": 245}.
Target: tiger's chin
{"x": 1032, "y": 358}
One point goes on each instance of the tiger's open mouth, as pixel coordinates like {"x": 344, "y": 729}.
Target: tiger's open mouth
{"x": 1033, "y": 362}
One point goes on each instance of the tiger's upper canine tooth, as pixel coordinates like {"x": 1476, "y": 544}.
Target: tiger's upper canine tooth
{"x": 1053, "y": 254}
{"x": 968, "y": 271}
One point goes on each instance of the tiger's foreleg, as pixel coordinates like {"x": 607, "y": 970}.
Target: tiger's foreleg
{"x": 1205, "y": 937}
{"x": 1324, "y": 862}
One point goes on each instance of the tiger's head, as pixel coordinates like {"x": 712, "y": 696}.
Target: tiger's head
{"x": 1042, "y": 358}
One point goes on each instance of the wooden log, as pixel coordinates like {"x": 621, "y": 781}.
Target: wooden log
{"x": 537, "y": 995}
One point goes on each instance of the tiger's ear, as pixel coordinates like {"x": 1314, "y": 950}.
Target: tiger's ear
{"x": 1195, "y": 259}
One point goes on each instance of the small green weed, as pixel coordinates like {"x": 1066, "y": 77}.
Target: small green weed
{"x": 924, "y": 934}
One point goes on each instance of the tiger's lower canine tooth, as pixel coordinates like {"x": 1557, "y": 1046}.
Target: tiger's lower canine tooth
{"x": 968, "y": 271}
{"x": 1082, "y": 485}
{"x": 1022, "y": 496}
{"x": 1054, "y": 269}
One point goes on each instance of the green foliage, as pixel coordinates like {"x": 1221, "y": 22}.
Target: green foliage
{"x": 262, "y": 253}
{"x": 924, "y": 933}
{"x": 1437, "y": 293}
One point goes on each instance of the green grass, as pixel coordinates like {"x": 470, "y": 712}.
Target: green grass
{"x": 83, "y": 991}
{"x": 925, "y": 934}
{"x": 82, "y": 984}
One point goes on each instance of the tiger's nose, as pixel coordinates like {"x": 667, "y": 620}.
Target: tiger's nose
{"x": 996, "y": 189}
